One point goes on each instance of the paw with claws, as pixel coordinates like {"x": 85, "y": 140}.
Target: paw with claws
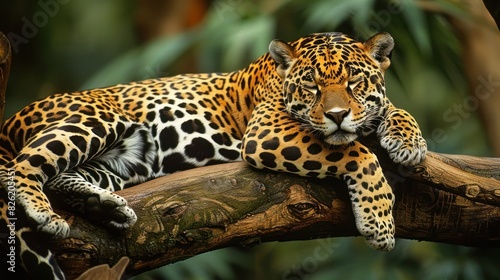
{"x": 400, "y": 136}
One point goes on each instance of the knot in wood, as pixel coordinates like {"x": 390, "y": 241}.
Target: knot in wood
{"x": 233, "y": 181}
{"x": 496, "y": 192}
{"x": 406, "y": 171}
{"x": 300, "y": 204}
{"x": 175, "y": 209}
{"x": 472, "y": 191}
{"x": 303, "y": 210}
{"x": 259, "y": 185}
{"x": 426, "y": 198}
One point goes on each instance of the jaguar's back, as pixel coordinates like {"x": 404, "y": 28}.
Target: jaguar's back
{"x": 178, "y": 112}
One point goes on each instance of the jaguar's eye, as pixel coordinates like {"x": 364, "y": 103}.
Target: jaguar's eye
{"x": 353, "y": 83}
{"x": 312, "y": 88}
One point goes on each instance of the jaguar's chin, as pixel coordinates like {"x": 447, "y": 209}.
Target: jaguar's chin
{"x": 340, "y": 137}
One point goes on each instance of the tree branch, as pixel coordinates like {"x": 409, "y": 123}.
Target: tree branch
{"x": 448, "y": 198}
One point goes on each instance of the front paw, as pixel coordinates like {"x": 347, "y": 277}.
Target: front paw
{"x": 408, "y": 152}
{"x": 400, "y": 136}
{"x": 49, "y": 222}
{"x": 40, "y": 215}
{"x": 377, "y": 231}
{"x": 372, "y": 201}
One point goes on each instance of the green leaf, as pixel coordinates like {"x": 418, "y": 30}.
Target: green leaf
{"x": 143, "y": 62}
{"x": 330, "y": 14}
{"x": 417, "y": 24}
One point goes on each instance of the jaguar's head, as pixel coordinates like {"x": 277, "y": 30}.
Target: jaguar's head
{"x": 333, "y": 83}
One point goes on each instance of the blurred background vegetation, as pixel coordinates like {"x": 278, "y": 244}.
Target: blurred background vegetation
{"x": 67, "y": 45}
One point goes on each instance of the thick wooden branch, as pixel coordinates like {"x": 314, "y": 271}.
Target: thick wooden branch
{"x": 449, "y": 198}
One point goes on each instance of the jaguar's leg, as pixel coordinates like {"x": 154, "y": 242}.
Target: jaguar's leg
{"x": 71, "y": 190}
{"x": 26, "y": 174}
{"x": 88, "y": 188}
{"x": 5, "y": 155}
{"x": 34, "y": 259}
{"x": 372, "y": 201}
{"x": 400, "y": 135}
{"x": 63, "y": 147}
{"x": 285, "y": 146}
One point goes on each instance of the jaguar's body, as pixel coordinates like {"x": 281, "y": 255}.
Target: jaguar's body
{"x": 298, "y": 109}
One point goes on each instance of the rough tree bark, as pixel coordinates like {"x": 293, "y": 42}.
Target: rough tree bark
{"x": 448, "y": 198}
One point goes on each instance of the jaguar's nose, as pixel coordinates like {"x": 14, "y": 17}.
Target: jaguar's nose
{"x": 337, "y": 116}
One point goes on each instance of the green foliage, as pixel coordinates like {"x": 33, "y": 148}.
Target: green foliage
{"x": 349, "y": 258}
{"x": 220, "y": 264}
{"x": 91, "y": 41}
{"x": 149, "y": 58}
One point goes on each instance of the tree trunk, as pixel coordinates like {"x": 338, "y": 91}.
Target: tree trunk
{"x": 448, "y": 198}
{"x": 480, "y": 38}
{"x": 5, "y": 58}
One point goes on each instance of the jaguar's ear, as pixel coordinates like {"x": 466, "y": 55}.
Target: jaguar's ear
{"x": 380, "y": 46}
{"x": 283, "y": 54}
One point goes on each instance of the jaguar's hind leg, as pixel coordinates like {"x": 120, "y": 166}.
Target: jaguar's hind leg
{"x": 126, "y": 148}
{"x": 33, "y": 259}
{"x": 70, "y": 190}
{"x": 88, "y": 187}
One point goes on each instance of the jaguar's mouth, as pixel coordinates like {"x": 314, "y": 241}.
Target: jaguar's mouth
{"x": 340, "y": 137}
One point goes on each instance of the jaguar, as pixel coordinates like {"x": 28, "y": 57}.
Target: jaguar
{"x": 301, "y": 108}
